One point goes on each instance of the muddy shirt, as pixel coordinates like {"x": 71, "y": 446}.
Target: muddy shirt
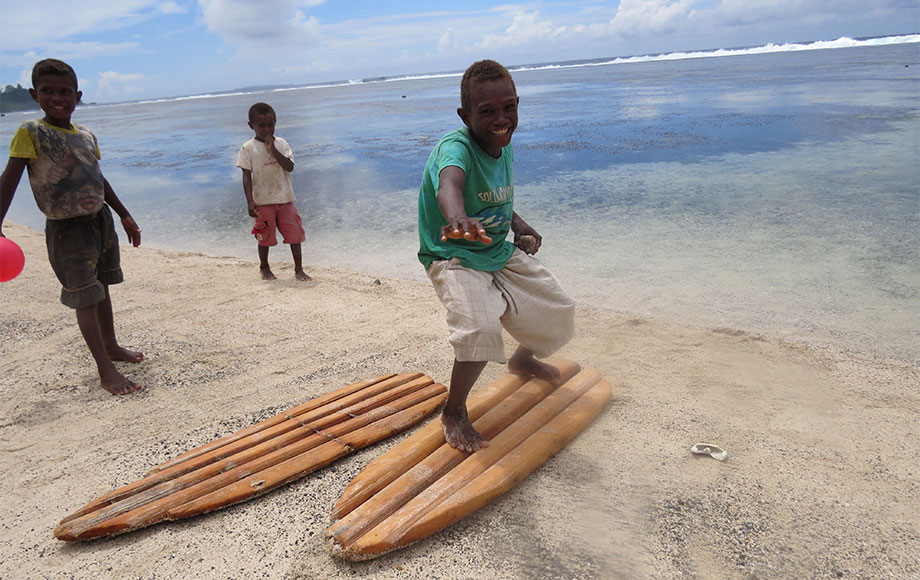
{"x": 270, "y": 182}
{"x": 63, "y": 166}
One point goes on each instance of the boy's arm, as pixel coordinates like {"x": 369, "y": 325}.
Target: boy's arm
{"x": 450, "y": 200}
{"x": 247, "y": 189}
{"x": 520, "y": 228}
{"x": 131, "y": 228}
{"x": 9, "y": 181}
{"x": 285, "y": 162}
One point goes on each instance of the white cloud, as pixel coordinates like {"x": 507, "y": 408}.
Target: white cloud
{"x": 642, "y": 17}
{"x": 654, "y": 22}
{"x": 633, "y": 18}
{"x": 113, "y": 83}
{"x": 28, "y": 35}
{"x": 79, "y": 50}
{"x": 752, "y": 12}
{"x": 267, "y": 25}
{"x": 447, "y": 40}
{"x": 172, "y": 8}
{"x": 25, "y": 78}
{"x": 526, "y": 28}
{"x": 28, "y": 25}
{"x": 67, "y": 51}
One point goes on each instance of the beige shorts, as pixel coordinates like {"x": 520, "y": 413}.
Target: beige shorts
{"x": 523, "y": 297}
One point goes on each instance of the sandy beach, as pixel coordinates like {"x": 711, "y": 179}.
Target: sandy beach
{"x": 821, "y": 479}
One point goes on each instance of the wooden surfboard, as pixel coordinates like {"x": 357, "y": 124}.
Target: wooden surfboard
{"x": 422, "y": 485}
{"x": 261, "y": 457}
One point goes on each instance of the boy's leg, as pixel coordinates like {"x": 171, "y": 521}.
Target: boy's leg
{"x": 290, "y": 225}
{"x": 542, "y": 317}
{"x": 107, "y": 327}
{"x": 84, "y": 255}
{"x": 298, "y": 266}
{"x": 112, "y": 380}
{"x": 264, "y": 231}
{"x": 474, "y": 305}
{"x": 458, "y": 431}
{"x": 522, "y": 362}
{"x": 267, "y": 273}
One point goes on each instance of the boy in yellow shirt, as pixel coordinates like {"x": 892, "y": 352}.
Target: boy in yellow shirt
{"x": 63, "y": 165}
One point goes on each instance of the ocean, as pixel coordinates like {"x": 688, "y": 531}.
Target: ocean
{"x": 774, "y": 190}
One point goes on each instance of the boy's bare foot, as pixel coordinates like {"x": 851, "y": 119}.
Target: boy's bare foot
{"x": 122, "y": 354}
{"x": 116, "y": 383}
{"x": 460, "y": 434}
{"x": 524, "y": 363}
{"x": 302, "y": 276}
{"x": 267, "y": 274}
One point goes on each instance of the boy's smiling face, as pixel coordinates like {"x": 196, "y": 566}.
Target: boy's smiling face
{"x": 492, "y": 116}
{"x": 264, "y": 126}
{"x": 58, "y": 97}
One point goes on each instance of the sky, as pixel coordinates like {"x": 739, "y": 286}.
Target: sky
{"x": 128, "y": 50}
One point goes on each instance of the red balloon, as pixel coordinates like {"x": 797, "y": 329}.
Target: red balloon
{"x": 11, "y": 259}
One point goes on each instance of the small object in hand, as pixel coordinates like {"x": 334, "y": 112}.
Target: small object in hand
{"x": 528, "y": 244}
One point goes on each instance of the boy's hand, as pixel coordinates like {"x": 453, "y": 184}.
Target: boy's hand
{"x": 253, "y": 210}
{"x": 521, "y": 229}
{"x": 465, "y": 229}
{"x": 133, "y": 231}
{"x": 528, "y": 240}
{"x": 286, "y": 163}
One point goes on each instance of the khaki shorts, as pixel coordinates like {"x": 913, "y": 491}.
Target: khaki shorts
{"x": 523, "y": 297}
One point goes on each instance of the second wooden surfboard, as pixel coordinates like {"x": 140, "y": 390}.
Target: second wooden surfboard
{"x": 261, "y": 457}
{"x": 422, "y": 485}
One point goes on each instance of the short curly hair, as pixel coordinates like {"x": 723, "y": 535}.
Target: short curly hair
{"x": 261, "y": 109}
{"x": 481, "y": 71}
{"x": 53, "y": 66}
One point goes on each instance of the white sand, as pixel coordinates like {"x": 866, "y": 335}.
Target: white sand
{"x": 821, "y": 479}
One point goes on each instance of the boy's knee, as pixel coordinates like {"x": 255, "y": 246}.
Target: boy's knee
{"x": 84, "y": 297}
{"x": 112, "y": 276}
{"x": 478, "y": 343}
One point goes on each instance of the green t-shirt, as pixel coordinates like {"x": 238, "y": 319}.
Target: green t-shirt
{"x": 488, "y": 195}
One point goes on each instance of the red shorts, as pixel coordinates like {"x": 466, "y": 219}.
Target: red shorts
{"x": 280, "y": 216}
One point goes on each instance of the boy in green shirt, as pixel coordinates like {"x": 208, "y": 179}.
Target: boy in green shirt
{"x": 466, "y": 209}
{"x": 63, "y": 163}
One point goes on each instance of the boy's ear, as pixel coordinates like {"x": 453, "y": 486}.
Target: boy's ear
{"x": 34, "y": 94}
{"x": 250, "y": 125}
{"x": 464, "y": 116}
{"x": 79, "y": 95}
